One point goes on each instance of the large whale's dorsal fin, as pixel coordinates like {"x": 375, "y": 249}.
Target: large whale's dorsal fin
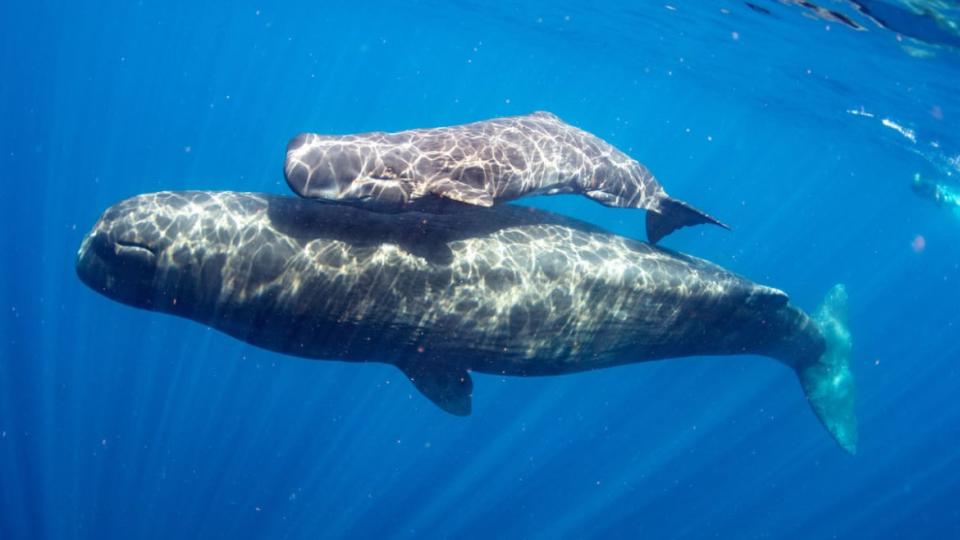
{"x": 461, "y": 192}
{"x": 450, "y": 388}
{"x": 762, "y": 296}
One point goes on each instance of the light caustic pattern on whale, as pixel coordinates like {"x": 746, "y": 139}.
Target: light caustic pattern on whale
{"x": 506, "y": 291}
{"x": 480, "y": 163}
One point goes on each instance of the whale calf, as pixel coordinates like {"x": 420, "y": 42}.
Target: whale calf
{"x": 506, "y": 291}
{"x": 480, "y": 164}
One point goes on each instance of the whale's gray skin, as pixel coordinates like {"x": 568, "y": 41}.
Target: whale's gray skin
{"x": 509, "y": 291}
{"x": 479, "y": 164}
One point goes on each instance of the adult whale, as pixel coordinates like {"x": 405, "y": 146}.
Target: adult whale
{"x": 480, "y": 164}
{"x": 508, "y": 291}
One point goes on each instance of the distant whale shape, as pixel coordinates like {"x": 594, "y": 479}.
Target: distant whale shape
{"x": 942, "y": 193}
{"x": 930, "y": 21}
{"x": 480, "y": 164}
{"x": 507, "y": 291}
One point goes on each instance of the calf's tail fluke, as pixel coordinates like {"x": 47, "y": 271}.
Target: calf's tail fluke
{"x": 828, "y": 382}
{"x": 674, "y": 214}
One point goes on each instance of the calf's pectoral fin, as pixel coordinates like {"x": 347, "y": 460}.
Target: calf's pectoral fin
{"x": 460, "y": 192}
{"x": 450, "y": 388}
{"x": 672, "y": 215}
{"x": 607, "y": 199}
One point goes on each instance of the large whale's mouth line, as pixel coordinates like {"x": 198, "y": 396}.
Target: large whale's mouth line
{"x": 118, "y": 251}
{"x": 136, "y": 249}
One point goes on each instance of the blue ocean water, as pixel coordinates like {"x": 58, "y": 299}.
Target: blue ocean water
{"x": 801, "y": 131}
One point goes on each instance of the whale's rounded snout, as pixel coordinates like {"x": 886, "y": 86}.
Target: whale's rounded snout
{"x": 119, "y": 252}
{"x": 326, "y": 167}
{"x": 118, "y": 266}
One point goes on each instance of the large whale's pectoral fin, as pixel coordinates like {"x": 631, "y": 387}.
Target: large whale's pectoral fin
{"x": 450, "y": 388}
{"x": 460, "y": 192}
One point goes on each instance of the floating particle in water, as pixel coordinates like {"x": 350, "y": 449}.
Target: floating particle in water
{"x": 918, "y": 244}
{"x": 936, "y": 112}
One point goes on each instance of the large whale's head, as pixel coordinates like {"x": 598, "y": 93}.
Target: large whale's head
{"x": 361, "y": 170}
{"x": 120, "y": 256}
{"x": 171, "y": 252}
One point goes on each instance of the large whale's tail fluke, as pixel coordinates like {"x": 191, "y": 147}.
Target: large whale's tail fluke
{"x": 828, "y": 382}
{"x": 674, "y": 214}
